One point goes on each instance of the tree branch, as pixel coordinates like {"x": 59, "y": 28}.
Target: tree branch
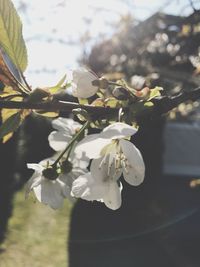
{"x": 162, "y": 105}
{"x": 56, "y": 105}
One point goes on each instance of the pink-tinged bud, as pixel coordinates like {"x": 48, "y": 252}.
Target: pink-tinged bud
{"x": 101, "y": 83}
{"x": 143, "y": 94}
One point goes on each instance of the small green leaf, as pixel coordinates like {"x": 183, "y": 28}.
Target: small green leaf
{"x": 50, "y": 114}
{"x": 111, "y": 102}
{"x": 83, "y": 101}
{"x": 10, "y": 125}
{"x": 148, "y": 104}
{"x": 155, "y": 92}
{"x": 11, "y": 39}
{"x": 58, "y": 86}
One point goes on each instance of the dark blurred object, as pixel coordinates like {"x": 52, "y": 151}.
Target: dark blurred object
{"x": 29, "y": 145}
{"x": 7, "y": 159}
{"x": 158, "y": 223}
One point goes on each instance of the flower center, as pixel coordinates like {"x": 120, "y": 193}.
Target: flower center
{"x": 50, "y": 173}
{"x": 121, "y": 161}
{"x": 115, "y": 161}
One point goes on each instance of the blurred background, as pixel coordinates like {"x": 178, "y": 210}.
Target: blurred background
{"x": 149, "y": 43}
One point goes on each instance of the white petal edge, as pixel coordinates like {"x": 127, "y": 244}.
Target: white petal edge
{"x": 66, "y": 125}
{"x": 58, "y": 140}
{"x": 50, "y": 193}
{"x": 113, "y": 199}
{"x": 91, "y": 146}
{"x": 35, "y": 166}
{"x": 136, "y": 169}
{"x": 82, "y": 83}
{"x": 35, "y": 180}
{"x": 86, "y": 187}
{"x": 118, "y": 130}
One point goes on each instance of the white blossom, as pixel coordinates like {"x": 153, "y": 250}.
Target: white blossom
{"x": 112, "y": 145}
{"x": 53, "y": 192}
{"x": 65, "y": 129}
{"x": 100, "y": 184}
{"x": 82, "y": 83}
{"x": 78, "y": 167}
{"x": 49, "y": 192}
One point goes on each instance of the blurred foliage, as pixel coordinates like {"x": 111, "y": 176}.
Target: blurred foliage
{"x": 163, "y": 50}
{"x": 37, "y": 235}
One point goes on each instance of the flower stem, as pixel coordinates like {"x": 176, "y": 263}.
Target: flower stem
{"x": 85, "y": 125}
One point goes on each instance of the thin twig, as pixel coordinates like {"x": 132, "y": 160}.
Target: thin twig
{"x": 162, "y": 105}
{"x": 165, "y": 104}
{"x": 61, "y": 106}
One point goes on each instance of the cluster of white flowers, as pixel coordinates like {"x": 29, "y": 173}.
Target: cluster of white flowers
{"x": 52, "y": 190}
{"x": 110, "y": 152}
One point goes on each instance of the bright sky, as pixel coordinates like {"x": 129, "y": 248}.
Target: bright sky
{"x": 52, "y": 29}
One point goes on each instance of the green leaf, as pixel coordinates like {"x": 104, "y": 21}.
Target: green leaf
{"x": 58, "y": 86}
{"x": 111, "y": 102}
{"x": 11, "y": 39}
{"x": 148, "y": 104}
{"x": 10, "y": 125}
{"x": 83, "y": 101}
{"x": 155, "y": 92}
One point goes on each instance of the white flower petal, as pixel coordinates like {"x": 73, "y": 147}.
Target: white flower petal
{"x": 48, "y": 161}
{"x": 112, "y": 198}
{"x": 82, "y": 83}
{"x": 50, "y": 193}
{"x": 65, "y": 187}
{"x": 35, "y": 180}
{"x": 80, "y": 161}
{"x": 118, "y": 130}
{"x": 91, "y": 146}
{"x": 69, "y": 178}
{"x": 67, "y": 125}
{"x": 98, "y": 185}
{"x": 58, "y": 140}
{"x": 35, "y": 166}
{"x": 135, "y": 169}
{"x": 86, "y": 187}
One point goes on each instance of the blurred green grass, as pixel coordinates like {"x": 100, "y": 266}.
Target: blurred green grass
{"x": 37, "y": 235}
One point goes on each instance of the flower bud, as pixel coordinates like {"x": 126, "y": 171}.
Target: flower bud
{"x": 82, "y": 86}
{"x": 101, "y": 83}
{"x": 143, "y": 94}
{"x": 120, "y": 93}
{"x": 50, "y": 173}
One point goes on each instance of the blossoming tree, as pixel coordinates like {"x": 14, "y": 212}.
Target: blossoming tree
{"x": 87, "y": 166}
